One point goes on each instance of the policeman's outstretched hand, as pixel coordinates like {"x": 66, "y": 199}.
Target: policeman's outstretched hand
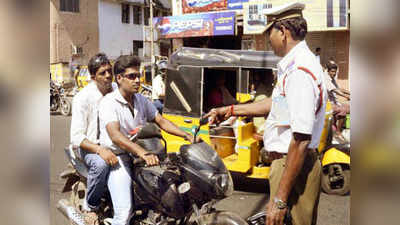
{"x": 218, "y": 115}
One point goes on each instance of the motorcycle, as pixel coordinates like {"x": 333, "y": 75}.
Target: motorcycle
{"x": 182, "y": 189}
{"x": 58, "y": 100}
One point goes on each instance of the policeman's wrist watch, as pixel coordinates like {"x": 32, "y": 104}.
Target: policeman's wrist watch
{"x": 279, "y": 203}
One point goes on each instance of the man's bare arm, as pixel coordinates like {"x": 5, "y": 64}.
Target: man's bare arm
{"x": 106, "y": 154}
{"x": 260, "y": 108}
{"x": 294, "y": 163}
{"x": 119, "y": 139}
{"x": 171, "y": 128}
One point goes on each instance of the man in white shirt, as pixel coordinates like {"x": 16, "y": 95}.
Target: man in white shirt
{"x": 85, "y": 132}
{"x": 158, "y": 86}
{"x": 340, "y": 109}
{"x": 122, "y": 111}
{"x": 295, "y": 120}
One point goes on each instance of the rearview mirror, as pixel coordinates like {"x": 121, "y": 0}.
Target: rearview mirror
{"x": 151, "y": 130}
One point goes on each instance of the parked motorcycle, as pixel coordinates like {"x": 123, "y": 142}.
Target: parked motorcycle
{"x": 58, "y": 100}
{"x": 183, "y": 189}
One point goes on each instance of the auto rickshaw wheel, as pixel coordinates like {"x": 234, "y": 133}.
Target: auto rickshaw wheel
{"x": 335, "y": 179}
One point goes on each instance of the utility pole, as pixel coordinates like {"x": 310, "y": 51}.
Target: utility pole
{"x": 152, "y": 41}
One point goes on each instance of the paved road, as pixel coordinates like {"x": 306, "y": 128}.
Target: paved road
{"x": 250, "y": 195}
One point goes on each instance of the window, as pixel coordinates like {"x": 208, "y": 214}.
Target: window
{"x": 69, "y": 6}
{"x": 146, "y": 16}
{"x": 125, "y": 13}
{"x": 137, "y": 15}
{"x": 136, "y": 46}
{"x": 76, "y": 50}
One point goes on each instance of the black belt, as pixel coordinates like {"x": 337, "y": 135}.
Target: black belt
{"x": 277, "y": 155}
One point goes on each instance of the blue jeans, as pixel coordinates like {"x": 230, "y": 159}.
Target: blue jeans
{"x": 97, "y": 178}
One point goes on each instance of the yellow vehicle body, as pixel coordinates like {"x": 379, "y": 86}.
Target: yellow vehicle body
{"x": 243, "y": 161}
{"x": 334, "y": 155}
{"x": 186, "y": 93}
{"x": 246, "y": 158}
{"x": 60, "y": 73}
{"x": 83, "y": 77}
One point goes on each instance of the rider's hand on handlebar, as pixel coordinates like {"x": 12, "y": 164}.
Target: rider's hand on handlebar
{"x": 218, "y": 115}
{"x": 151, "y": 159}
{"x": 109, "y": 157}
{"x": 190, "y": 138}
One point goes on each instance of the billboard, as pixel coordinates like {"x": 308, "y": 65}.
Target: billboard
{"x": 194, "y": 6}
{"x": 236, "y": 4}
{"x": 195, "y": 25}
{"x": 254, "y": 18}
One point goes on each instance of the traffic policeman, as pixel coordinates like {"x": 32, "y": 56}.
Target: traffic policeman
{"x": 295, "y": 120}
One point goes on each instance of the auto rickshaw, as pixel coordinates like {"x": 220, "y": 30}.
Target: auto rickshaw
{"x": 187, "y": 84}
{"x": 83, "y": 77}
{"x": 335, "y": 158}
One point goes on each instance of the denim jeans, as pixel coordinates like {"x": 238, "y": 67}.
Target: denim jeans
{"x": 96, "y": 180}
{"x": 120, "y": 187}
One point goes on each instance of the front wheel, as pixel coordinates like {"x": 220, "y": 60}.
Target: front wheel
{"x": 220, "y": 218}
{"x": 335, "y": 179}
{"x": 65, "y": 106}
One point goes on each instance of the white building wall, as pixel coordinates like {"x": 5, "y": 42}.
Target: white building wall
{"x": 116, "y": 37}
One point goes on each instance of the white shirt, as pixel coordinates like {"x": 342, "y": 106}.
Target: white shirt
{"x": 158, "y": 87}
{"x": 84, "y": 114}
{"x": 295, "y": 112}
{"x": 318, "y": 58}
{"x": 114, "y": 108}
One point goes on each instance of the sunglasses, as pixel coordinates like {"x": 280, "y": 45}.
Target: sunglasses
{"x": 104, "y": 72}
{"x": 132, "y": 76}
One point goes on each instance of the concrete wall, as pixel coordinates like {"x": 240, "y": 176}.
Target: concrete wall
{"x": 115, "y": 37}
{"x": 80, "y": 29}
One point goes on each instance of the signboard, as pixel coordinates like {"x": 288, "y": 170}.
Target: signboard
{"x": 193, "y": 6}
{"x": 195, "y": 25}
{"x": 254, "y": 18}
{"x": 236, "y": 4}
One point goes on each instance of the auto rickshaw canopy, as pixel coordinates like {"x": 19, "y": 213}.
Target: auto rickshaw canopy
{"x": 205, "y": 57}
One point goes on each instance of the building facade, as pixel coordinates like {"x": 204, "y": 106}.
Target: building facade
{"x": 328, "y": 25}
{"x": 81, "y": 28}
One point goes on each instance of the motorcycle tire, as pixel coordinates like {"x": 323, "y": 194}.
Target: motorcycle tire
{"x": 339, "y": 186}
{"x": 221, "y": 218}
{"x": 65, "y": 107}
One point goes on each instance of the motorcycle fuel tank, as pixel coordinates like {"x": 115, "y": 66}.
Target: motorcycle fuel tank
{"x": 157, "y": 186}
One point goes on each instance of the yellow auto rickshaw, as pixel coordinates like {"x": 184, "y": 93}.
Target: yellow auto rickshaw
{"x": 188, "y": 83}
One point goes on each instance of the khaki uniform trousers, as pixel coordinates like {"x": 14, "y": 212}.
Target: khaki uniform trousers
{"x": 304, "y": 197}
